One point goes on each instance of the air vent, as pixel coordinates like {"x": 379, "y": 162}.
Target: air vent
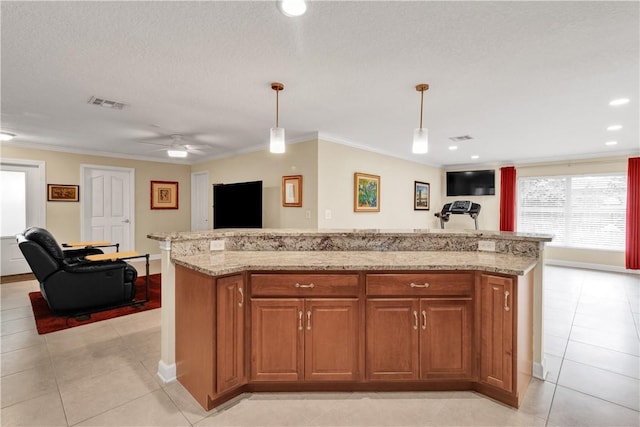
{"x": 460, "y": 138}
{"x": 101, "y": 102}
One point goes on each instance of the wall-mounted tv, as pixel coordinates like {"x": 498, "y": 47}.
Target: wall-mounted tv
{"x": 237, "y": 205}
{"x": 471, "y": 183}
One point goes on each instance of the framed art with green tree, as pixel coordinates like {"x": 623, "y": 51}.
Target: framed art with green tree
{"x": 366, "y": 189}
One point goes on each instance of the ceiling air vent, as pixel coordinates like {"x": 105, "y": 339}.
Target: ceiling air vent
{"x": 460, "y": 138}
{"x": 101, "y": 102}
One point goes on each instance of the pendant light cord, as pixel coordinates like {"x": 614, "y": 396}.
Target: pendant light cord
{"x": 421, "y": 106}
{"x": 277, "y": 108}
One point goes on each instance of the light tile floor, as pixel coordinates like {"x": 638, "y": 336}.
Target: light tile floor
{"x": 103, "y": 374}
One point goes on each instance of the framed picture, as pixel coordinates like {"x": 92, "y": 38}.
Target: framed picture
{"x": 63, "y": 193}
{"x": 164, "y": 195}
{"x": 366, "y": 193}
{"x": 292, "y": 191}
{"x": 421, "y": 193}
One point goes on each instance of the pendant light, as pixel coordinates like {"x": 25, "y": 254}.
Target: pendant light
{"x": 276, "y": 144}
{"x": 421, "y": 135}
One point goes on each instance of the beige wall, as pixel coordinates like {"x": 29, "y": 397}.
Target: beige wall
{"x": 336, "y": 167}
{"x": 63, "y": 219}
{"x": 299, "y": 159}
{"x": 489, "y": 218}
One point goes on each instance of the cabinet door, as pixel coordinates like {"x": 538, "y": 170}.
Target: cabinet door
{"x": 496, "y": 331}
{"x": 230, "y": 329}
{"x": 445, "y": 339}
{"x": 392, "y": 339}
{"x": 331, "y": 339}
{"x": 277, "y": 334}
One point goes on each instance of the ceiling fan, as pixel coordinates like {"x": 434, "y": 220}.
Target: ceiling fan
{"x": 176, "y": 146}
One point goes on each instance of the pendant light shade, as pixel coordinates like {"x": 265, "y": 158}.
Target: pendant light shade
{"x": 276, "y": 144}
{"x": 421, "y": 135}
{"x": 276, "y": 141}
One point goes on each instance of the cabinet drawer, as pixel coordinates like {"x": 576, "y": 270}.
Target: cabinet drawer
{"x": 266, "y": 285}
{"x": 430, "y": 284}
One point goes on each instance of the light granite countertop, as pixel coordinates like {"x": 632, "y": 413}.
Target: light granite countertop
{"x": 283, "y": 232}
{"x": 229, "y": 262}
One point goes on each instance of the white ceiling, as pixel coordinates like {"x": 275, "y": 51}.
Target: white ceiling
{"x": 528, "y": 81}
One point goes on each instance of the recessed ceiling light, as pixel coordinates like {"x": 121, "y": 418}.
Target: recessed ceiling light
{"x": 619, "y": 101}
{"x": 6, "y": 136}
{"x": 475, "y": 156}
{"x": 614, "y": 127}
{"x": 453, "y": 147}
{"x": 611, "y": 143}
{"x": 292, "y": 8}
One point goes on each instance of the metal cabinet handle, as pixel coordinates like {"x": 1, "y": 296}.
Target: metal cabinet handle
{"x": 308, "y": 320}
{"x": 415, "y": 317}
{"x": 413, "y": 285}
{"x": 300, "y": 320}
{"x": 424, "y": 319}
{"x": 310, "y": 285}
{"x": 241, "y": 296}
{"x": 506, "y": 305}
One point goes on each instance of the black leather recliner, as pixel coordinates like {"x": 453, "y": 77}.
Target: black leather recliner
{"x": 72, "y": 285}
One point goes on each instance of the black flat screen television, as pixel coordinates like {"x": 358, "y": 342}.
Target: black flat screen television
{"x": 471, "y": 183}
{"x": 237, "y": 205}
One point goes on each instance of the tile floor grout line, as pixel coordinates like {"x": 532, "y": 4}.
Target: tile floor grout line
{"x": 555, "y": 389}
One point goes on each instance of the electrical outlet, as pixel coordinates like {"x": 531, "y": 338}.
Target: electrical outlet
{"x": 486, "y": 245}
{"x": 307, "y": 214}
{"x": 216, "y": 245}
{"x": 327, "y": 214}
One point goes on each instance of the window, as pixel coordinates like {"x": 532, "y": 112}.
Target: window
{"x": 581, "y": 211}
{"x": 13, "y": 201}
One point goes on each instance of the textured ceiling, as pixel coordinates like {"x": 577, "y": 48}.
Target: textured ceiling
{"x": 527, "y": 80}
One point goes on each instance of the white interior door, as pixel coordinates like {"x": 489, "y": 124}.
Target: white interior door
{"x": 22, "y": 204}
{"x": 200, "y": 201}
{"x": 108, "y": 206}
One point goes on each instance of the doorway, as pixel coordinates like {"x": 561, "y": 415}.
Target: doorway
{"x": 200, "y": 201}
{"x": 23, "y": 205}
{"x": 108, "y": 205}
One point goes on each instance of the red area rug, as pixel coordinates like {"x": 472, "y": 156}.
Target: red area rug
{"x": 47, "y": 322}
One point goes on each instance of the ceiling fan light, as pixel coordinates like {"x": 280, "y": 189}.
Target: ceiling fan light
{"x": 292, "y": 8}
{"x": 421, "y": 141}
{"x": 6, "y": 136}
{"x": 177, "y": 153}
{"x": 276, "y": 143}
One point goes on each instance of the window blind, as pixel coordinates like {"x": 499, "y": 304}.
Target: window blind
{"x": 581, "y": 211}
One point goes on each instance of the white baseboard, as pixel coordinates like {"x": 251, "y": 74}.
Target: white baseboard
{"x": 538, "y": 370}
{"x": 167, "y": 373}
{"x": 589, "y": 266}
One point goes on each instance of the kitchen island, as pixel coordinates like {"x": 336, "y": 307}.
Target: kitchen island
{"x": 277, "y": 310}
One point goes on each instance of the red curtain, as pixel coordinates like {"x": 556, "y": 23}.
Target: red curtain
{"x": 632, "y": 254}
{"x": 508, "y": 198}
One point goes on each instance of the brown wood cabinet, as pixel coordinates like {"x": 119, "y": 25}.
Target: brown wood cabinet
{"x": 496, "y": 329}
{"x": 424, "y": 338}
{"x": 262, "y": 331}
{"x": 230, "y": 333}
{"x": 419, "y": 339}
{"x": 196, "y": 334}
{"x": 505, "y": 329}
{"x": 313, "y": 339}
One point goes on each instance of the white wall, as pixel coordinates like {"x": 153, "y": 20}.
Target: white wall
{"x": 336, "y": 167}
{"x": 299, "y": 159}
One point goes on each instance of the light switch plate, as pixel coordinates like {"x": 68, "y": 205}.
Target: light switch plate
{"x": 486, "y": 245}
{"x": 216, "y": 245}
